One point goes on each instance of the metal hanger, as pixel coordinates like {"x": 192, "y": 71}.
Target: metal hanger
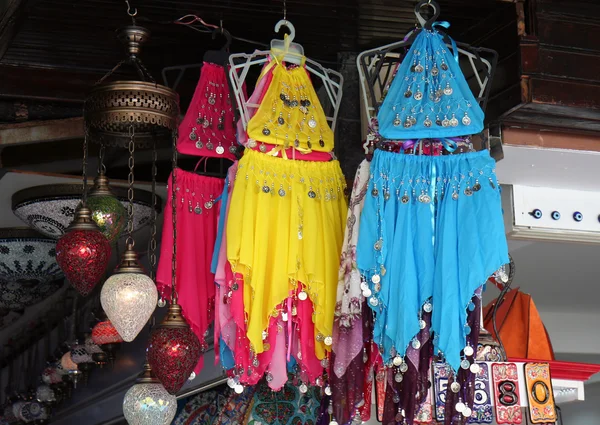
{"x": 375, "y": 66}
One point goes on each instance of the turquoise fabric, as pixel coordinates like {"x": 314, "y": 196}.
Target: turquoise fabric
{"x": 435, "y": 225}
{"x": 225, "y": 355}
{"x": 429, "y": 96}
{"x": 222, "y": 217}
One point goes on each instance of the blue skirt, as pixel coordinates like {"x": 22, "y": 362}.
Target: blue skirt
{"x": 431, "y": 233}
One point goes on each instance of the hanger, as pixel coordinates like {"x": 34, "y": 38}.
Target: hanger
{"x": 375, "y": 66}
{"x": 219, "y": 57}
{"x": 198, "y": 24}
{"x": 293, "y": 52}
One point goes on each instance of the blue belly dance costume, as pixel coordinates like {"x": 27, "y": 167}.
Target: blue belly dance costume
{"x": 431, "y": 228}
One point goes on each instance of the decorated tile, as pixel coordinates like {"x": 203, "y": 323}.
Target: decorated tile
{"x": 539, "y": 393}
{"x": 505, "y": 380}
{"x": 482, "y": 405}
{"x": 441, "y": 375}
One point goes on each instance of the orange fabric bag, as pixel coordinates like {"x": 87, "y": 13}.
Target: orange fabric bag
{"x": 520, "y": 327}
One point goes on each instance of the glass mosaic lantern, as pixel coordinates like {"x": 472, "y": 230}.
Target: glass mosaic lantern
{"x": 148, "y": 403}
{"x": 91, "y": 347}
{"x": 51, "y": 376}
{"x": 83, "y": 252}
{"x": 45, "y": 394}
{"x": 108, "y": 339}
{"x": 107, "y": 211}
{"x": 67, "y": 362}
{"x": 129, "y": 297}
{"x": 173, "y": 350}
{"x": 31, "y": 411}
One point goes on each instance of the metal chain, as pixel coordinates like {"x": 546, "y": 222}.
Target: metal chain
{"x": 152, "y": 249}
{"x": 72, "y": 335}
{"x": 130, "y": 179}
{"x": 101, "y": 166}
{"x": 84, "y": 167}
{"x": 112, "y": 71}
{"x": 174, "y": 213}
{"x": 145, "y": 74}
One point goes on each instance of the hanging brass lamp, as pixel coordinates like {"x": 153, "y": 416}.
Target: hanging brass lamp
{"x": 113, "y": 108}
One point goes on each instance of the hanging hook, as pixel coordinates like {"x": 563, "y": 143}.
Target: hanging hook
{"x": 222, "y": 31}
{"x": 427, "y": 24}
{"x": 129, "y": 12}
{"x": 284, "y": 10}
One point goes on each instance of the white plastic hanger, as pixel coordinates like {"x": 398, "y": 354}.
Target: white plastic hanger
{"x": 294, "y": 51}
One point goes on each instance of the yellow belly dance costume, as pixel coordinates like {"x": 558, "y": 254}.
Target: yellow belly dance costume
{"x": 286, "y": 220}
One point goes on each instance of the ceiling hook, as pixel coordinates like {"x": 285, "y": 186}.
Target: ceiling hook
{"x": 129, "y": 11}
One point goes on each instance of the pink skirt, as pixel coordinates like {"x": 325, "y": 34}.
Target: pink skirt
{"x": 198, "y": 205}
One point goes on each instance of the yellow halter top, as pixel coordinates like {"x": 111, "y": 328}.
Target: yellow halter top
{"x": 290, "y": 114}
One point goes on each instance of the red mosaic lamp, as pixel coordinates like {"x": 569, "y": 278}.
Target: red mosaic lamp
{"x": 83, "y": 252}
{"x": 173, "y": 350}
{"x": 108, "y": 339}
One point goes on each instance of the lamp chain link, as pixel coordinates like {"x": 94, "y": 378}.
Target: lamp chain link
{"x": 174, "y": 213}
{"x": 152, "y": 249}
{"x": 101, "y": 154}
{"x": 130, "y": 180}
{"x": 84, "y": 167}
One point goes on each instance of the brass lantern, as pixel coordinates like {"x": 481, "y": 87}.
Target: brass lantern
{"x": 112, "y": 109}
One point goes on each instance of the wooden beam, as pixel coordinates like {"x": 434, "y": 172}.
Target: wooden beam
{"x": 45, "y": 84}
{"x": 40, "y": 131}
{"x": 550, "y": 140}
{"x": 11, "y": 18}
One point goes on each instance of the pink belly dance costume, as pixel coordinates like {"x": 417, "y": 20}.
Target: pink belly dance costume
{"x": 207, "y": 130}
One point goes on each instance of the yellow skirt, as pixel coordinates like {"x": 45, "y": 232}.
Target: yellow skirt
{"x": 285, "y": 227}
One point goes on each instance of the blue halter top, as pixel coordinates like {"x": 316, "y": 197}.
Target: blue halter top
{"x": 429, "y": 97}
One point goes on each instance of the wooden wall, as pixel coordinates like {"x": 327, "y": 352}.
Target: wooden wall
{"x": 559, "y": 66}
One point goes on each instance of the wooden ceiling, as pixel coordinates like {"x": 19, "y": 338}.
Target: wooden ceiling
{"x": 61, "y": 47}
{"x": 53, "y": 51}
